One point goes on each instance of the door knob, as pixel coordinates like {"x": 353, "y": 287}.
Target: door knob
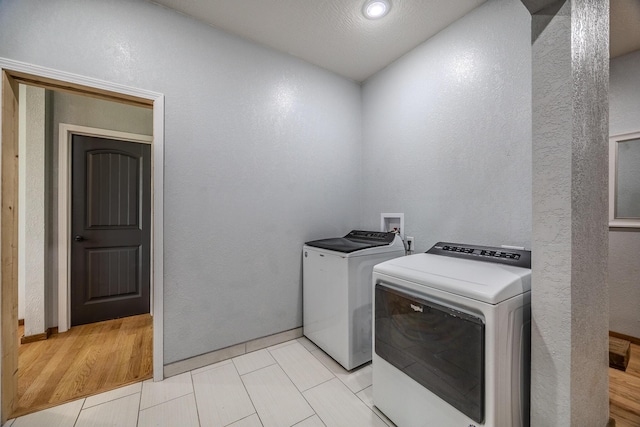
{"x": 79, "y": 238}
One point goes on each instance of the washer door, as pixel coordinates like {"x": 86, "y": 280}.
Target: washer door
{"x": 439, "y": 347}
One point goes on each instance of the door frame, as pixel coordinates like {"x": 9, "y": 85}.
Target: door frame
{"x": 65, "y": 132}
{"x": 14, "y": 72}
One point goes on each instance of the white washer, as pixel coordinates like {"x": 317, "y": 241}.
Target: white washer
{"x": 337, "y": 298}
{"x": 452, "y": 337}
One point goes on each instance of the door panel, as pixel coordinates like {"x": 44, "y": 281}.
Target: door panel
{"x": 112, "y": 180}
{"x": 110, "y": 229}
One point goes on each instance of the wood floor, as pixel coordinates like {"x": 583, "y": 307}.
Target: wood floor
{"x": 624, "y": 392}
{"x": 83, "y": 361}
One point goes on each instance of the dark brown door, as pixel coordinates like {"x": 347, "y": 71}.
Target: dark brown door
{"x": 110, "y": 229}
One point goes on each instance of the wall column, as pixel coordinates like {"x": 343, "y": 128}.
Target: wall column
{"x": 31, "y": 213}
{"x": 570, "y": 310}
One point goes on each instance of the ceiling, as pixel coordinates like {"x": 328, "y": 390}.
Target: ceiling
{"x": 335, "y": 35}
{"x": 330, "y": 33}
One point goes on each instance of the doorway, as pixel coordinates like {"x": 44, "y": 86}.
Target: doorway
{"x": 14, "y": 73}
{"x": 109, "y": 190}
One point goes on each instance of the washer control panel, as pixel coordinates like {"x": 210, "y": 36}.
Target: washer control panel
{"x": 508, "y": 256}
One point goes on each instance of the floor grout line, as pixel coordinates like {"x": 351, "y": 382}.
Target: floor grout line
{"x": 294, "y": 384}
{"x": 139, "y": 403}
{"x": 195, "y": 398}
{"x": 257, "y": 369}
{"x": 255, "y": 410}
{"x": 110, "y": 400}
{"x": 166, "y": 401}
{"x": 301, "y": 393}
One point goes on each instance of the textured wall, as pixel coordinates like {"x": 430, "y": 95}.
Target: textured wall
{"x": 624, "y": 245}
{"x": 262, "y": 152}
{"x": 590, "y": 196}
{"x": 551, "y": 333}
{"x": 82, "y": 111}
{"x": 569, "y": 292}
{"x": 447, "y": 133}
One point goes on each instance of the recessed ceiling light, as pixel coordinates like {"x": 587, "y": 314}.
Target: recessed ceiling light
{"x": 376, "y": 9}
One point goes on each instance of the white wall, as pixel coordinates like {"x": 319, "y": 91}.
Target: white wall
{"x": 262, "y": 153}
{"x": 447, "y": 133}
{"x": 624, "y": 245}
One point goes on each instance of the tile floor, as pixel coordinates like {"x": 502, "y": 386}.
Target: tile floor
{"x": 290, "y": 384}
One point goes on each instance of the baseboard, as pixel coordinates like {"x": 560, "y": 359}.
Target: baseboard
{"x": 26, "y": 339}
{"x": 632, "y": 340}
{"x": 202, "y": 360}
{"x": 39, "y": 337}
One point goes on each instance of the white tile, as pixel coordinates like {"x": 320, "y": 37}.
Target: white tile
{"x": 304, "y": 370}
{"x": 212, "y": 366}
{"x": 356, "y": 379}
{"x": 337, "y": 406}
{"x": 154, "y": 393}
{"x": 178, "y": 412}
{"x": 58, "y": 416}
{"x": 311, "y": 422}
{"x": 250, "y": 421}
{"x": 308, "y": 344}
{"x": 252, "y": 361}
{"x": 221, "y": 396}
{"x": 112, "y": 395}
{"x": 122, "y": 412}
{"x": 276, "y": 399}
{"x": 366, "y": 396}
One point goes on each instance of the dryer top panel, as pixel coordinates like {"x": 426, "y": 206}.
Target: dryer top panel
{"x": 487, "y": 282}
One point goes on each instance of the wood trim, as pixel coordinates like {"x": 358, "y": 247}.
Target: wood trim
{"x": 78, "y": 89}
{"x": 20, "y": 322}
{"x": 629, "y": 338}
{"x": 9, "y": 244}
{"x": 37, "y": 337}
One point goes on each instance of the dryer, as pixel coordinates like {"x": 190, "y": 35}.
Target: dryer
{"x": 337, "y": 295}
{"x": 452, "y": 337}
